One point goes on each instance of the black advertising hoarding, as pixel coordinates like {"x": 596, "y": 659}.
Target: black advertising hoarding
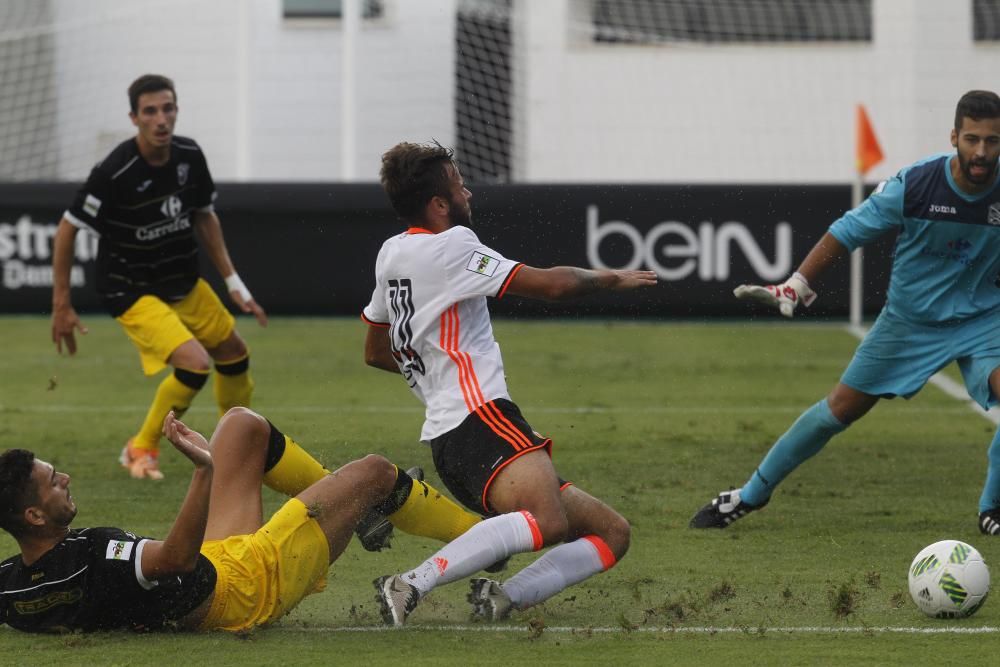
{"x": 310, "y": 248}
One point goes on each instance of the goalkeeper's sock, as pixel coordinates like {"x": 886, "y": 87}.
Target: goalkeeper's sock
{"x": 561, "y": 567}
{"x": 175, "y": 393}
{"x": 417, "y": 508}
{"x": 991, "y": 490}
{"x": 288, "y": 468}
{"x": 482, "y": 545}
{"x": 810, "y": 432}
{"x": 233, "y": 385}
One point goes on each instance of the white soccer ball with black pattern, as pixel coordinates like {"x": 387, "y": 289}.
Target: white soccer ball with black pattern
{"x": 949, "y": 579}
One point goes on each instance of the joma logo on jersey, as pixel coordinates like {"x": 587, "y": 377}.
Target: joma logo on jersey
{"x": 42, "y": 604}
{"x": 483, "y": 264}
{"x": 938, "y": 208}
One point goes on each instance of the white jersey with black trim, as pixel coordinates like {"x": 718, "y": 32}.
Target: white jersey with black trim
{"x": 430, "y": 291}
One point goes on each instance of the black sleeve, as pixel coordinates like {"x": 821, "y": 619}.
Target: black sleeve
{"x": 206, "y": 186}
{"x": 92, "y": 201}
{"x": 113, "y": 554}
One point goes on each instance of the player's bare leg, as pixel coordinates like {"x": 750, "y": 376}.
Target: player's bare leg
{"x": 233, "y": 385}
{"x": 239, "y": 447}
{"x": 339, "y": 500}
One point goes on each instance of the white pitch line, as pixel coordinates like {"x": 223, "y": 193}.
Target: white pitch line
{"x": 947, "y": 385}
{"x": 707, "y": 630}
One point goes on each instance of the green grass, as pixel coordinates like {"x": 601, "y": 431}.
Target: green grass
{"x": 655, "y": 418}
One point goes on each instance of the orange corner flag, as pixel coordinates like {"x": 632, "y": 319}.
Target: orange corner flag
{"x": 869, "y": 153}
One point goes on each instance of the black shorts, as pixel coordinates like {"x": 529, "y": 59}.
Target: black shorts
{"x": 469, "y": 456}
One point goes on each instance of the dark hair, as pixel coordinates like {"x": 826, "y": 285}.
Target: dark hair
{"x": 17, "y": 492}
{"x": 413, "y": 174}
{"x": 148, "y": 83}
{"x": 977, "y": 105}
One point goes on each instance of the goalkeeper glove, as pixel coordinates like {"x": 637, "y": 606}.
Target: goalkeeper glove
{"x": 785, "y": 296}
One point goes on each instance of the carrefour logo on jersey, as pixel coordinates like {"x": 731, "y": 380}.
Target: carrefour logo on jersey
{"x": 26, "y": 254}
{"x": 675, "y": 250}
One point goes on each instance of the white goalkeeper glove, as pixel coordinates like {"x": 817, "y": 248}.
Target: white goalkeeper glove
{"x": 785, "y": 296}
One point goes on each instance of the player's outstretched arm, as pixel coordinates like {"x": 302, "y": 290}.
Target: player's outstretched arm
{"x": 562, "y": 283}
{"x": 178, "y": 553}
{"x": 210, "y": 232}
{"x": 796, "y": 289}
{"x": 65, "y": 321}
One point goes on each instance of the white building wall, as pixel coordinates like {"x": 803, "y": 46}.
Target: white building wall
{"x": 731, "y": 113}
{"x": 262, "y": 94}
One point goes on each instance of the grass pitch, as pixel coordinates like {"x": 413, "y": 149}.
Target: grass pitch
{"x": 653, "y": 417}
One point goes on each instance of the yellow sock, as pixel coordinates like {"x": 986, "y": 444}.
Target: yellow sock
{"x": 175, "y": 393}
{"x": 295, "y": 470}
{"x": 233, "y": 385}
{"x": 428, "y": 513}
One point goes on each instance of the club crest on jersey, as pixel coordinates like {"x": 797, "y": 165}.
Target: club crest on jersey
{"x": 119, "y": 550}
{"x": 994, "y": 217}
{"x": 182, "y": 173}
{"x": 483, "y": 264}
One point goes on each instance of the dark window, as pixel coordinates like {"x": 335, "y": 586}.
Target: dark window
{"x": 986, "y": 20}
{"x": 370, "y": 9}
{"x": 715, "y": 21}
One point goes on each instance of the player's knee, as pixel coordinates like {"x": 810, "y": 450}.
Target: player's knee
{"x": 253, "y": 428}
{"x": 378, "y": 473}
{"x": 618, "y": 535}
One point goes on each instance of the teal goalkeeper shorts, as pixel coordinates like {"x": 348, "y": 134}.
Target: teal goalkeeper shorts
{"x": 897, "y": 357}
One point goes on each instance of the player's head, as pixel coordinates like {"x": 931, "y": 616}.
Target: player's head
{"x": 153, "y": 109}
{"x": 32, "y": 494}
{"x": 976, "y": 136}
{"x": 423, "y": 183}
{"x": 149, "y": 83}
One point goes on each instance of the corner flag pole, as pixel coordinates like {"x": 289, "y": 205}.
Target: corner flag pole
{"x": 868, "y": 153}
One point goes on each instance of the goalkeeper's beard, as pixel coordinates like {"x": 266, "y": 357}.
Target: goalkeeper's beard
{"x": 967, "y": 165}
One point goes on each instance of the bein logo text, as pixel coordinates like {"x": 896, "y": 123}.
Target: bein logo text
{"x": 676, "y": 251}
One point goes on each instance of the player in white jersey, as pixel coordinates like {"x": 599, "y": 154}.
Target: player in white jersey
{"x": 428, "y": 320}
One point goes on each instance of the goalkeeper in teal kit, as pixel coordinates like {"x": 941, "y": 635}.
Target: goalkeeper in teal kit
{"x": 943, "y": 303}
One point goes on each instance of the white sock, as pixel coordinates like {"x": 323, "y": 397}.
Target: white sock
{"x": 560, "y": 568}
{"x": 482, "y": 545}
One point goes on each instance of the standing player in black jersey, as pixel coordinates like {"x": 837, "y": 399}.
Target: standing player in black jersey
{"x": 221, "y": 566}
{"x": 148, "y": 200}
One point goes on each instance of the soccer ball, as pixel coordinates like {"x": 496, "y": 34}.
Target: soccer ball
{"x": 949, "y": 579}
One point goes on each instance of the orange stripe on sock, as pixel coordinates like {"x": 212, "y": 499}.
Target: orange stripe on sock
{"x": 565, "y": 486}
{"x": 603, "y": 551}
{"x": 536, "y": 534}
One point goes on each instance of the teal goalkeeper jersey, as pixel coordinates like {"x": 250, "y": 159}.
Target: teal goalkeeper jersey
{"x": 946, "y": 263}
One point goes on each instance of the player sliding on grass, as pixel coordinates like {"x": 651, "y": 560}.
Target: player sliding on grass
{"x": 220, "y": 567}
{"x": 943, "y": 303}
{"x": 429, "y": 321}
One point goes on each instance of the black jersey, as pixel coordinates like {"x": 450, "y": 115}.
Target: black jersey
{"x": 92, "y": 581}
{"x": 143, "y": 215}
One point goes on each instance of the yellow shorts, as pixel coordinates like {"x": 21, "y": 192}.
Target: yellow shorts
{"x": 157, "y": 328}
{"x": 261, "y": 577}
